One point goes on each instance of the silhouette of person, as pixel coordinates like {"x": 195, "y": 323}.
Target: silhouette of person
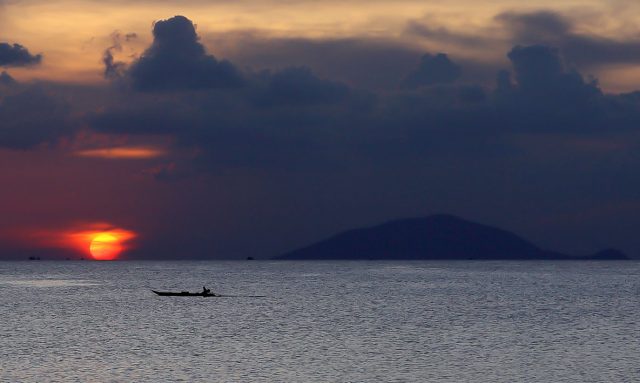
{"x": 205, "y": 290}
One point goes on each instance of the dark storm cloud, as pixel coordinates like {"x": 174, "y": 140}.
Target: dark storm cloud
{"x": 157, "y": 116}
{"x": 536, "y": 65}
{"x": 542, "y": 27}
{"x": 386, "y": 62}
{"x": 17, "y": 55}
{"x": 543, "y": 79}
{"x": 547, "y": 96}
{"x": 278, "y": 119}
{"x": 177, "y": 61}
{"x": 6, "y": 79}
{"x": 544, "y": 96}
{"x": 433, "y": 69}
{"x": 536, "y": 26}
{"x": 32, "y": 116}
{"x": 466, "y": 120}
{"x": 554, "y": 29}
{"x": 297, "y": 86}
{"x": 292, "y": 119}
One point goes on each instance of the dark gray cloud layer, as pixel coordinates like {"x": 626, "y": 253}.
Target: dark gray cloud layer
{"x": 536, "y": 28}
{"x": 6, "y": 79}
{"x": 32, "y": 116}
{"x": 433, "y": 69}
{"x": 17, "y": 55}
{"x": 292, "y": 118}
{"x": 298, "y": 86}
{"x": 176, "y": 60}
{"x": 387, "y": 62}
{"x": 554, "y": 29}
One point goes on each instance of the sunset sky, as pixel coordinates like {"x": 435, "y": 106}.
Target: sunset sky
{"x": 227, "y": 129}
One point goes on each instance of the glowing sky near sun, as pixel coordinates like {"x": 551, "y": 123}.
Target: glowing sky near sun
{"x": 101, "y": 242}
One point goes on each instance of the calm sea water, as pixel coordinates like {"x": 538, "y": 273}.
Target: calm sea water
{"x": 321, "y": 322}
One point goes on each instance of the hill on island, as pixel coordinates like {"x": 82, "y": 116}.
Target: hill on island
{"x": 442, "y": 237}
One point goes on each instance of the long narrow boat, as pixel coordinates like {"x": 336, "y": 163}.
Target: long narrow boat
{"x": 184, "y": 294}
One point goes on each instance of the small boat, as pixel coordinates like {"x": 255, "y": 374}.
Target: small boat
{"x": 185, "y": 294}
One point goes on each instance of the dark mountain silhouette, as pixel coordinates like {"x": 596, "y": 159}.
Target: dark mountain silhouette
{"x": 435, "y": 237}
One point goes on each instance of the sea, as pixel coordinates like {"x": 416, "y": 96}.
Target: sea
{"x": 438, "y": 321}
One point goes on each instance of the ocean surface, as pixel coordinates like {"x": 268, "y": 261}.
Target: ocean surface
{"x": 321, "y": 322}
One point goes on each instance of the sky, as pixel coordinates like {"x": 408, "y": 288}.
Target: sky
{"x": 228, "y": 129}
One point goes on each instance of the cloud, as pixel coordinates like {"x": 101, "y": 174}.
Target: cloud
{"x": 115, "y": 69}
{"x": 177, "y": 61}
{"x": 238, "y": 130}
{"x": 574, "y": 34}
{"x": 444, "y": 35}
{"x": 554, "y": 29}
{"x": 274, "y": 119}
{"x": 6, "y": 79}
{"x": 146, "y": 116}
{"x": 278, "y": 120}
{"x": 32, "y": 116}
{"x": 541, "y": 134}
{"x": 293, "y": 119}
{"x": 298, "y": 86}
{"x": 547, "y": 96}
{"x": 536, "y": 66}
{"x": 112, "y": 69}
{"x": 171, "y": 172}
{"x": 536, "y": 26}
{"x": 433, "y": 69}
{"x": 339, "y": 59}
{"x": 17, "y": 55}
{"x": 123, "y": 152}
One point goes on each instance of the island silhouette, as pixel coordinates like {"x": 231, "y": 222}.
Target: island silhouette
{"x": 438, "y": 237}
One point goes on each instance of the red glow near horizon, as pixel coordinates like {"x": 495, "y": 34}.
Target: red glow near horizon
{"x": 99, "y": 241}
{"x": 102, "y": 245}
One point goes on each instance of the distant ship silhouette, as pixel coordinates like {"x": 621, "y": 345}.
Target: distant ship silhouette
{"x": 441, "y": 236}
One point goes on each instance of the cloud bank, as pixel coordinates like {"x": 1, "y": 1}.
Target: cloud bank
{"x": 176, "y": 60}
{"x": 17, "y": 55}
{"x": 433, "y": 69}
{"x": 33, "y": 116}
{"x": 292, "y": 118}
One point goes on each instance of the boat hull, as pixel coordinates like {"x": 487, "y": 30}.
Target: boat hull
{"x": 183, "y": 294}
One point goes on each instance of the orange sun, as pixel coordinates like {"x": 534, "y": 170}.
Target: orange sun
{"x": 102, "y": 241}
{"x": 105, "y": 247}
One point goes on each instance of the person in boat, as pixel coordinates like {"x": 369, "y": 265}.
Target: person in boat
{"x": 205, "y": 290}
